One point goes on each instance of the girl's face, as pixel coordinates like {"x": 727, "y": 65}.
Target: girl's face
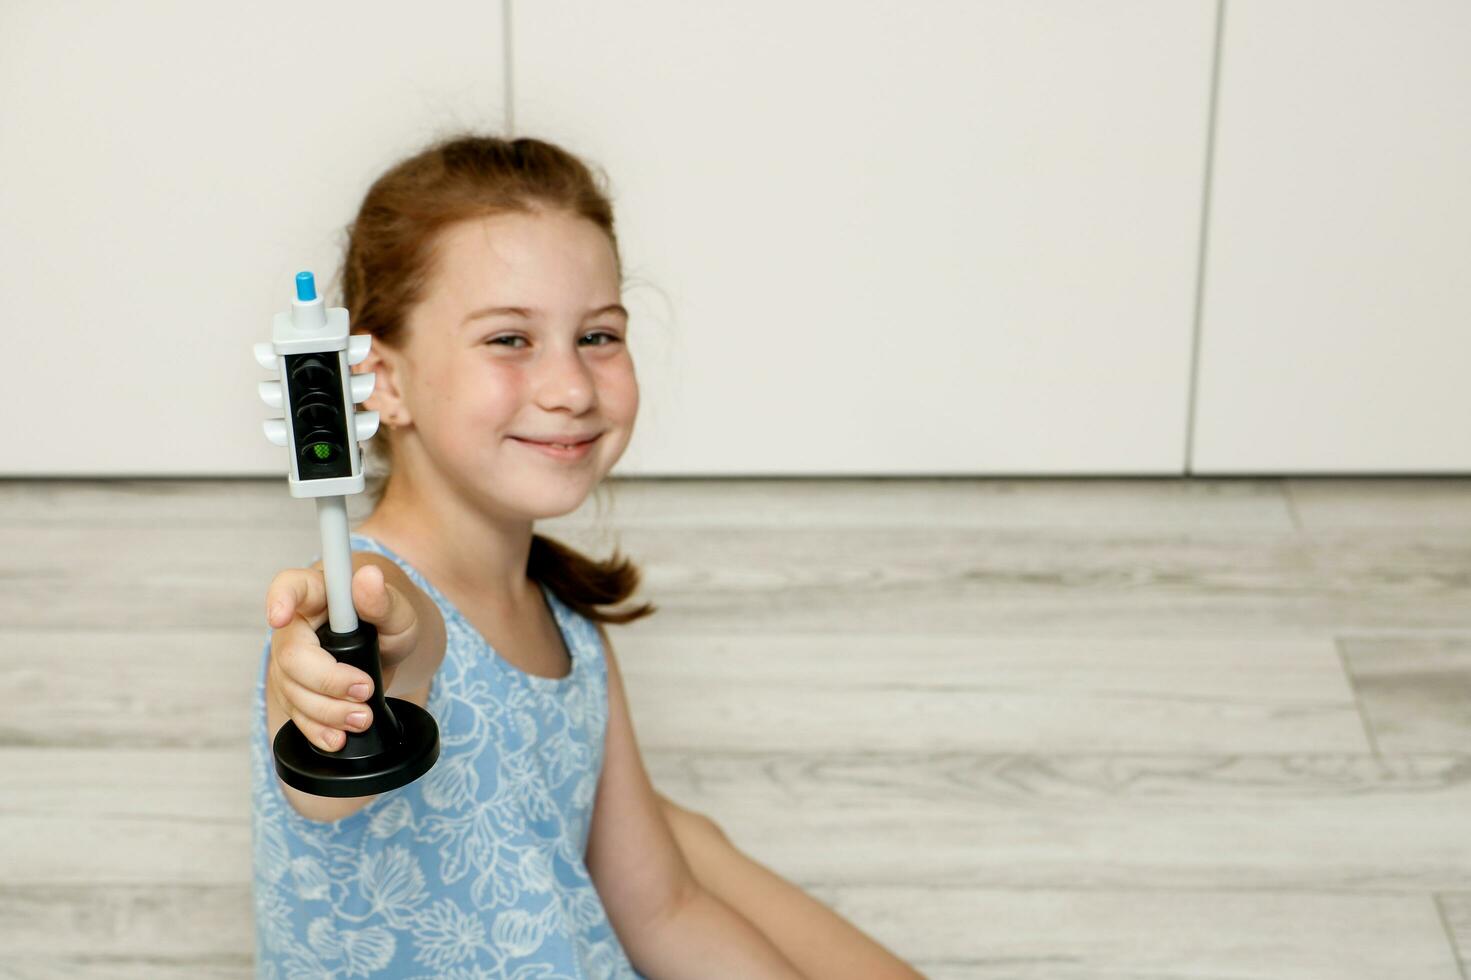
{"x": 520, "y": 336}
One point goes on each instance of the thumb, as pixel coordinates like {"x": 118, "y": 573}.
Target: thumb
{"x": 370, "y": 593}
{"x": 388, "y": 610}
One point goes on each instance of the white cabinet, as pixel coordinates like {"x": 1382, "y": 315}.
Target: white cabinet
{"x": 1336, "y": 334}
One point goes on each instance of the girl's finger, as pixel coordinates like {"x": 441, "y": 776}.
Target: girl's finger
{"x": 309, "y": 666}
{"x": 328, "y": 739}
{"x": 296, "y": 591}
{"x": 325, "y": 711}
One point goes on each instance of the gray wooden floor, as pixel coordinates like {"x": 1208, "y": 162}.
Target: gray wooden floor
{"x": 1025, "y": 728}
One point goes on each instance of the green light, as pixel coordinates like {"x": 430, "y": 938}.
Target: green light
{"x": 322, "y": 450}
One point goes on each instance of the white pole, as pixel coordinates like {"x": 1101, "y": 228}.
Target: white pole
{"x": 337, "y": 562}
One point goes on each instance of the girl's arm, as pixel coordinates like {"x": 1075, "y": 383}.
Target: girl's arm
{"x": 669, "y": 925}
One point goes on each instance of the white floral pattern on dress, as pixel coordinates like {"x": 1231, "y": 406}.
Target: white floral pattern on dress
{"x": 475, "y": 870}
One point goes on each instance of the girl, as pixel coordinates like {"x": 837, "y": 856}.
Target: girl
{"x": 487, "y": 272}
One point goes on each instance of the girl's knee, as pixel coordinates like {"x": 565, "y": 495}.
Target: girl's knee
{"x": 690, "y": 821}
{"x": 707, "y": 825}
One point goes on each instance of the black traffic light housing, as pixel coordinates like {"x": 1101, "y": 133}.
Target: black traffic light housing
{"x": 315, "y": 385}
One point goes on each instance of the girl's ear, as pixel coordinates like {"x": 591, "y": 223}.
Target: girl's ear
{"x": 386, "y": 399}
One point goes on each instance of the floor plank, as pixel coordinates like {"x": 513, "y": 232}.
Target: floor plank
{"x": 1383, "y": 502}
{"x": 1415, "y": 690}
{"x": 1455, "y": 911}
{"x": 156, "y": 688}
{"x": 1114, "y": 582}
{"x": 1072, "y": 935}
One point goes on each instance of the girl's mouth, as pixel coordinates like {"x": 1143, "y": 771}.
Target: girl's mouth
{"x": 560, "y": 450}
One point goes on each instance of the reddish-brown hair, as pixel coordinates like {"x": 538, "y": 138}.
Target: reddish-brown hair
{"x": 388, "y": 258}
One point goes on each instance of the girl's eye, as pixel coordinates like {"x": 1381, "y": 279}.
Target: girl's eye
{"x": 613, "y": 338}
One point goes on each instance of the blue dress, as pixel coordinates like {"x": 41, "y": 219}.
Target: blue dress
{"x": 476, "y": 869}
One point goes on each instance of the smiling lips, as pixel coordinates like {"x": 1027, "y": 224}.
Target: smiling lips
{"x": 561, "y": 450}
{"x": 563, "y": 442}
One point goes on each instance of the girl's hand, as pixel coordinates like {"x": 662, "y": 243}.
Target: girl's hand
{"x": 305, "y": 683}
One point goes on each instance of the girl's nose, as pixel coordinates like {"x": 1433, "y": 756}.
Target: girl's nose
{"x": 565, "y": 382}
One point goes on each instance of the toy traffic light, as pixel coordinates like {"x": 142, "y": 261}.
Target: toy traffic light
{"x": 310, "y": 351}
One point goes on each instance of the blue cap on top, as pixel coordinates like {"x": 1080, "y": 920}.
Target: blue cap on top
{"x": 306, "y": 287}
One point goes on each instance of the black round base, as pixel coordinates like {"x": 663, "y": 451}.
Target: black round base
{"x": 305, "y": 767}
